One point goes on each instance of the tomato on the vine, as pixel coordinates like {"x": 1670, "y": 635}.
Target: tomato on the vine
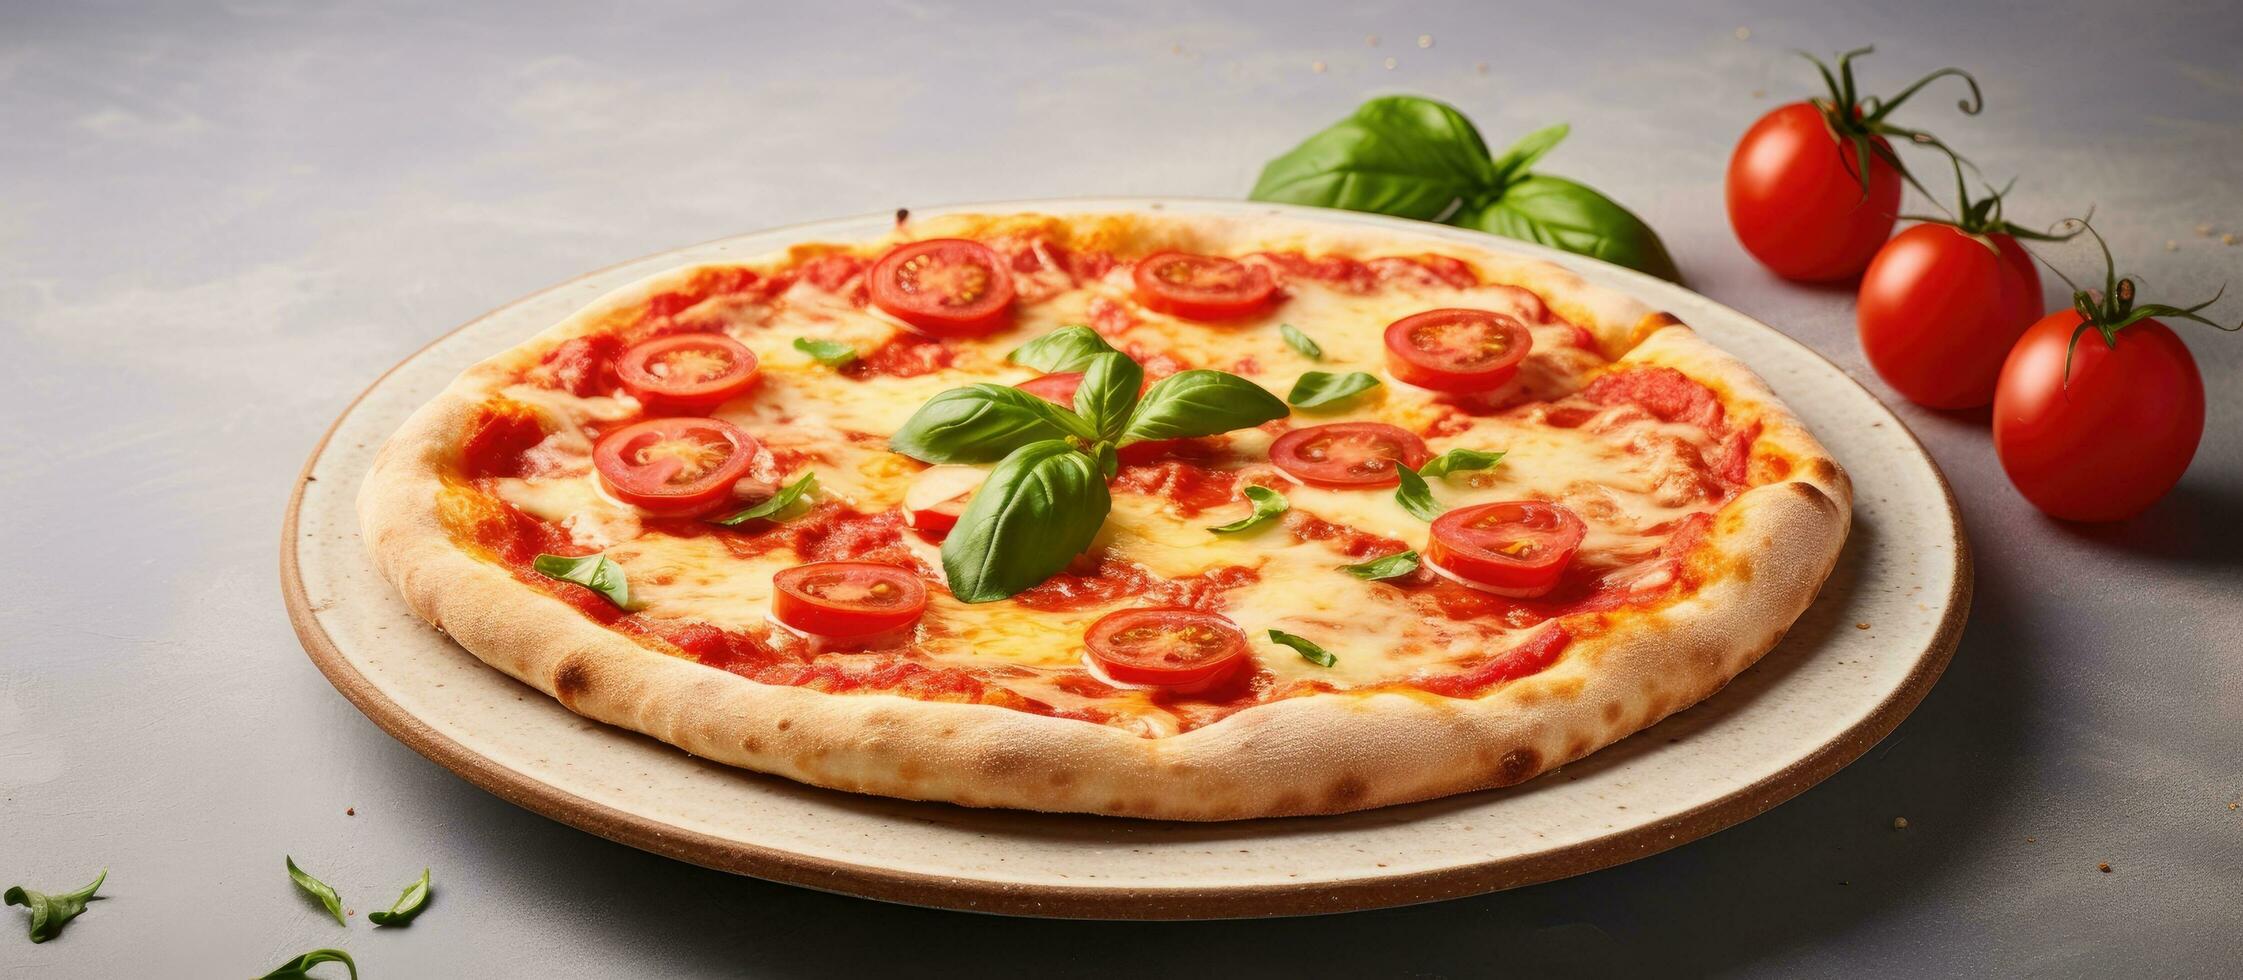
{"x": 1814, "y": 186}
{"x": 2100, "y": 408}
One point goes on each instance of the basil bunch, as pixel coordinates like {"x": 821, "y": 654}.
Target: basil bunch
{"x": 1417, "y": 158}
{"x": 1047, "y": 497}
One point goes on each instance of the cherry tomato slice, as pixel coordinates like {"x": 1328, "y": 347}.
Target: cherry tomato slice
{"x": 687, "y": 372}
{"x": 1202, "y": 287}
{"x": 674, "y": 466}
{"x": 1456, "y": 351}
{"x": 1059, "y": 389}
{"x": 944, "y": 287}
{"x": 937, "y": 497}
{"x": 847, "y": 598}
{"x": 1348, "y": 455}
{"x": 1516, "y": 548}
{"x": 1184, "y": 650}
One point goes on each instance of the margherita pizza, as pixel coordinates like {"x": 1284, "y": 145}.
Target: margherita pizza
{"x": 1183, "y": 516}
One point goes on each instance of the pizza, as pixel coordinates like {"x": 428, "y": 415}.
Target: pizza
{"x": 1180, "y": 516}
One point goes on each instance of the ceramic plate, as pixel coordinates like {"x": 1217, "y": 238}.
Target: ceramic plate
{"x": 1849, "y": 670}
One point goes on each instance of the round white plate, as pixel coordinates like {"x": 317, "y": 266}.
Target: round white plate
{"x": 1854, "y": 665}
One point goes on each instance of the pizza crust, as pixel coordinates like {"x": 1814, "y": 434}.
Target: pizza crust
{"x": 1763, "y": 561}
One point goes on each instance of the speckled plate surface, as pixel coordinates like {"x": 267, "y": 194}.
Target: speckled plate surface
{"x": 1852, "y": 667}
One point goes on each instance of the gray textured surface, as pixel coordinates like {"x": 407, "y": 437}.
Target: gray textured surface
{"x": 216, "y": 225}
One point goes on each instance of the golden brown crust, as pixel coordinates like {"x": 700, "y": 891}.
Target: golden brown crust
{"x": 1762, "y": 563}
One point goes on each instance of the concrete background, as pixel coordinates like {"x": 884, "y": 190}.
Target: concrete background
{"x": 219, "y": 222}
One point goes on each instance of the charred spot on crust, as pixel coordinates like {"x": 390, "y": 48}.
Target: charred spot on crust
{"x": 1577, "y": 748}
{"x": 1518, "y": 766}
{"x": 571, "y": 680}
{"x": 1347, "y": 792}
{"x": 1611, "y": 711}
{"x": 751, "y": 745}
{"x": 1823, "y": 470}
{"x": 784, "y": 724}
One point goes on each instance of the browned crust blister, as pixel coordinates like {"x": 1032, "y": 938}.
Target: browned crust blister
{"x": 1766, "y": 556}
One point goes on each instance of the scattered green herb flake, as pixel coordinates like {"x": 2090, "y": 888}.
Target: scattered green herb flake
{"x": 596, "y": 572}
{"x": 1458, "y": 461}
{"x": 1306, "y": 647}
{"x": 779, "y": 504}
{"x": 300, "y": 967}
{"x": 1300, "y": 341}
{"x": 1267, "y": 503}
{"x": 831, "y": 353}
{"x": 1317, "y": 389}
{"x": 408, "y": 905}
{"x": 1391, "y": 566}
{"x": 317, "y": 889}
{"x": 1414, "y": 495}
{"x": 49, "y": 913}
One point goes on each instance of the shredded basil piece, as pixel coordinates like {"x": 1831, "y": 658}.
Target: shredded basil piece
{"x": 300, "y": 967}
{"x": 1414, "y": 495}
{"x": 1317, "y": 389}
{"x": 777, "y": 505}
{"x": 595, "y": 572}
{"x": 317, "y": 889}
{"x": 1458, "y": 461}
{"x": 1267, "y": 503}
{"x": 49, "y": 913}
{"x": 1391, "y": 566}
{"x": 1299, "y": 341}
{"x": 831, "y": 353}
{"x": 1307, "y": 648}
{"x": 1069, "y": 348}
{"x": 408, "y": 904}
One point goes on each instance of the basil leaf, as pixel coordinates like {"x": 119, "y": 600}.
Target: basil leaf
{"x": 769, "y": 510}
{"x": 1307, "y": 648}
{"x": 1398, "y": 155}
{"x": 300, "y": 967}
{"x": 1391, "y": 566}
{"x": 50, "y": 912}
{"x": 1267, "y": 503}
{"x": 408, "y": 905}
{"x": 1299, "y": 341}
{"x": 1320, "y": 388}
{"x": 1200, "y": 403}
{"x": 318, "y": 889}
{"x": 1069, "y": 348}
{"x": 1562, "y": 214}
{"x": 1414, "y": 495}
{"x": 1039, "y": 508}
{"x": 595, "y": 572}
{"x": 1458, "y": 461}
{"x": 1109, "y": 461}
{"x": 831, "y": 353}
{"x": 981, "y": 423}
{"x": 1107, "y": 393}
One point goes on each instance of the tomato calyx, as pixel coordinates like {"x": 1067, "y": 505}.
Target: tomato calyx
{"x": 2113, "y": 308}
{"x": 1982, "y": 219}
{"x": 1858, "y": 120}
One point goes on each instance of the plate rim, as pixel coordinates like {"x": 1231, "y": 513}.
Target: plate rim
{"x": 1106, "y": 901}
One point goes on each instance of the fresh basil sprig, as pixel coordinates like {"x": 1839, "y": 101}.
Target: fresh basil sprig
{"x": 408, "y": 904}
{"x": 1038, "y": 510}
{"x": 1392, "y": 566}
{"x": 1069, "y": 348}
{"x": 1414, "y": 495}
{"x": 1318, "y": 389}
{"x": 777, "y": 505}
{"x": 596, "y": 572}
{"x": 1200, "y": 403}
{"x": 1458, "y": 461}
{"x": 300, "y": 967}
{"x": 1267, "y": 503}
{"x": 831, "y": 353}
{"x": 981, "y": 423}
{"x": 317, "y": 889}
{"x": 49, "y": 913}
{"x": 1299, "y": 341}
{"x": 1108, "y": 393}
{"x": 1306, "y": 647}
{"x": 1413, "y": 157}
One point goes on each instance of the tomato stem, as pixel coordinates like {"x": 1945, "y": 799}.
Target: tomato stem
{"x": 1854, "y": 120}
{"x": 2114, "y": 308}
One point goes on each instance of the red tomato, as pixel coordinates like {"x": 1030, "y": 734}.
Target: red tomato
{"x": 1796, "y": 201}
{"x": 847, "y": 598}
{"x": 1940, "y": 310}
{"x": 944, "y": 287}
{"x": 1059, "y": 389}
{"x": 937, "y": 497}
{"x": 1457, "y": 351}
{"x": 1202, "y": 287}
{"x": 688, "y": 372}
{"x": 1517, "y": 548}
{"x": 1348, "y": 455}
{"x": 674, "y": 466}
{"x": 1184, "y": 650}
{"x": 2118, "y": 438}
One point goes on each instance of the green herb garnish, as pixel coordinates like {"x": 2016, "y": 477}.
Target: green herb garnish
{"x": 595, "y": 572}
{"x": 1307, "y": 648}
{"x": 777, "y": 505}
{"x": 1069, "y": 348}
{"x": 1414, "y": 495}
{"x": 408, "y": 904}
{"x": 1267, "y": 503}
{"x": 317, "y": 889}
{"x": 300, "y": 967}
{"x": 1299, "y": 341}
{"x": 1317, "y": 389}
{"x": 1458, "y": 461}
{"x": 49, "y": 913}
{"x": 1391, "y": 566}
{"x": 831, "y": 353}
